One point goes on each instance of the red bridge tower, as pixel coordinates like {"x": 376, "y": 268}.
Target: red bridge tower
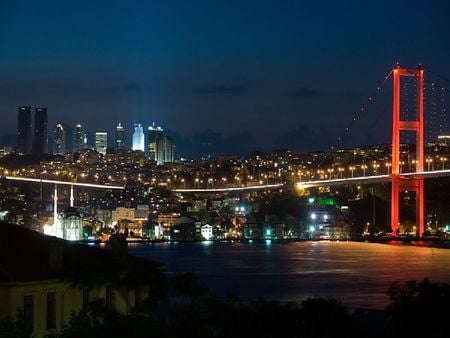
{"x": 400, "y": 183}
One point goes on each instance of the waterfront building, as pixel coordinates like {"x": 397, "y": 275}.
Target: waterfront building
{"x": 59, "y": 140}
{"x": 206, "y": 232}
{"x": 138, "y": 138}
{"x": 167, "y": 219}
{"x": 101, "y": 142}
{"x": 40, "y": 144}
{"x": 24, "y": 130}
{"x": 122, "y": 213}
{"x": 120, "y": 137}
{"x": 71, "y": 224}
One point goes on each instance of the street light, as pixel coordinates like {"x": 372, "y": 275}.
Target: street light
{"x": 401, "y": 166}
{"x": 429, "y": 161}
{"x": 375, "y": 167}
{"x": 351, "y": 168}
{"x": 388, "y": 166}
{"x": 443, "y": 159}
{"x": 364, "y": 167}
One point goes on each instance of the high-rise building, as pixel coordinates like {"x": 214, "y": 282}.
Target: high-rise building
{"x": 168, "y": 149}
{"x": 120, "y": 137}
{"x": 59, "y": 140}
{"x": 155, "y": 135}
{"x": 138, "y": 138}
{"x": 79, "y": 138}
{"x": 24, "y": 130}
{"x": 165, "y": 150}
{"x": 101, "y": 142}
{"x": 40, "y": 144}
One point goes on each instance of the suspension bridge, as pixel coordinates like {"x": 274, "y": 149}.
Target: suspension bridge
{"x": 411, "y": 181}
{"x": 400, "y": 181}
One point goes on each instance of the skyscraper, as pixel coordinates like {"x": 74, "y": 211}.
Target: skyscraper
{"x": 40, "y": 144}
{"x": 168, "y": 149}
{"x": 24, "y": 130}
{"x": 120, "y": 137}
{"x": 101, "y": 142}
{"x": 59, "y": 140}
{"x": 155, "y": 135}
{"x": 79, "y": 138}
{"x": 138, "y": 138}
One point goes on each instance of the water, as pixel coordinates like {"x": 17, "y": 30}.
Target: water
{"x": 357, "y": 273}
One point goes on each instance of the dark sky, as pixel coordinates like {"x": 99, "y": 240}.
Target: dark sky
{"x": 232, "y": 75}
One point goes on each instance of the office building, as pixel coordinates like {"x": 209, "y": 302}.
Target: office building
{"x": 59, "y": 140}
{"x": 169, "y": 147}
{"x": 79, "y": 138}
{"x": 120, "y": 137}
{"x": 24, "y": 130}
{"x": 40, "y": 144}
{"x": 155, "y": 135}
{"x": 101, "y": 142}
{"x": 138, "y": 138}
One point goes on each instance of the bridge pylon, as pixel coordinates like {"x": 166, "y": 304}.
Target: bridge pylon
{"x": 400, "y": 183}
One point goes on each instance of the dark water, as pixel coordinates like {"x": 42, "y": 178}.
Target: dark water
{"x": 357, "y": 273}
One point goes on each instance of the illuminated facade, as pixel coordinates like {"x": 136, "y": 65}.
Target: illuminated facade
{"x": 155, "y": 137}
{"x": 79, "y": 138}
{"x": 101, "y": 142}
{"x": 138, "y": 138}
{"x": 120, "y": 137}
{"x": 71, "y": 224}
{"x": 59, "y": 140}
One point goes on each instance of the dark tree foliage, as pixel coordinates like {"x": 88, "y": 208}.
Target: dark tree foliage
{"x": 419, "y": 309}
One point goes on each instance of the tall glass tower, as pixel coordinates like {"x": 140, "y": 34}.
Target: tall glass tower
{"x": 24, "y": 130}
{"x": 120, "y": 137}
{"x": 40, "y": 144}
{"x": 59, "y": 140}
{"x": 138, "y": 138}
{"x": 79, "y": 138}
{"x": 155, "y": 136}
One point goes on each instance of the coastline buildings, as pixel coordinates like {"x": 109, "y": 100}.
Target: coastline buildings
{"x": 24, "y": 130}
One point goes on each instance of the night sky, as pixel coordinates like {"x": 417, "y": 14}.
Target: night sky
{"x": 220, "y": 76}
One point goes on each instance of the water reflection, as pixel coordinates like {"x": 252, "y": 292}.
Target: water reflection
{"x": 358, "y": 273}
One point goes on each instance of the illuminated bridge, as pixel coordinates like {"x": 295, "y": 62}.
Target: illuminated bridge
{"x": 232, "y": 189}
{"x": 411, "y": 181}
{"x": 57, "y": 182}
{"x": 371, "y": 179}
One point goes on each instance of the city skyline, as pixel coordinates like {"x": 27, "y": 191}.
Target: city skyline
{"x": 264, "y": 77}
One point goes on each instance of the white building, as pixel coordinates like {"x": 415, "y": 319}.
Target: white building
{"x": 138, "y": 138}
{"x": 206, "y": 231}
